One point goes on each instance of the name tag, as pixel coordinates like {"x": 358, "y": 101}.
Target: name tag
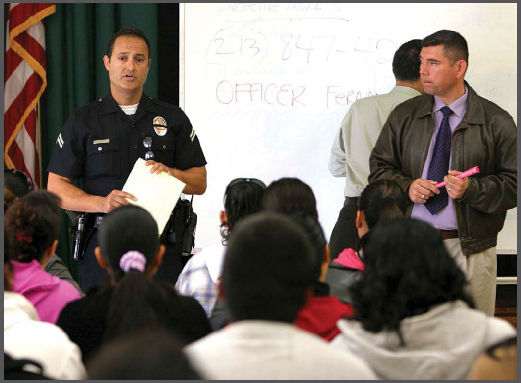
{"x": 106, "y": 141}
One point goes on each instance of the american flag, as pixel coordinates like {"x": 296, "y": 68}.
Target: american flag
{"x": 25, "y": 81}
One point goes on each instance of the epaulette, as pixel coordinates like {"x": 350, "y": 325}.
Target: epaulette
{"x": 163, "y": 103}
{"x": 87, "y": 107}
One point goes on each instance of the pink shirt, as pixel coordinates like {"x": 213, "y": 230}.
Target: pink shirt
{"x": 47, "y": 293}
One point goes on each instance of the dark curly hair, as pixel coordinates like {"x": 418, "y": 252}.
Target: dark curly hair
{"x": 407, "y": 271}
{"x": 33, "y": 222}
{"x": 242, "y": 197}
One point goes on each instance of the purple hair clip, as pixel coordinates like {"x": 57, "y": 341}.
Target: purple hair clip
{"x": 132, "y": 260}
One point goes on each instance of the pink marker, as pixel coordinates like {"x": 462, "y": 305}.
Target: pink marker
{"x": 466, "y": 173}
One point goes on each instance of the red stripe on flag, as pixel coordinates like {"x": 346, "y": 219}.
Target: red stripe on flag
{"x": 12, "y": 60}
{"x": 23, "y": 11}
{"x": 32, "y": 47}
{"x": 20, "y": 104}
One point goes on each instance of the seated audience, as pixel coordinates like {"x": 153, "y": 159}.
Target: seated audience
{"x": 16, "y": 185}
{"x": 146, "y": 355}
{"x": 295, "y": 199}
{"x": 414, "y": 318}
{"x": 200, "y": 275}
{"x": 266, "y": 277}
{"x": 34, "y": 349}
{"x": 33, "y": 222}
{"x": 130, "y": 300}
{"x": 498, "y": 362}
{"x": 381, "y": 200}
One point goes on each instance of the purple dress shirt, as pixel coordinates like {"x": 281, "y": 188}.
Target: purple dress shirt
{"x": 445, "y": 219}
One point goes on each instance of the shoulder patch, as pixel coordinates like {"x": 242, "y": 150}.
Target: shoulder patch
{"x": 59, "y": 141}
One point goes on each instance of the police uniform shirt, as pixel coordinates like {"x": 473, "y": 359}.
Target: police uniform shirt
{"x": 99, "y": 143}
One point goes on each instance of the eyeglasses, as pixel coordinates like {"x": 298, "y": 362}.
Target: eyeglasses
{"x": 238, "y": 181}
{"x": 147, "y": 143}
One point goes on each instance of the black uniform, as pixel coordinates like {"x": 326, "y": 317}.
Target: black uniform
{"x": 99, "y": 144}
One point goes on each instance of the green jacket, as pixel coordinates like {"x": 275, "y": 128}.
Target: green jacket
{"x": 486, "y": 137}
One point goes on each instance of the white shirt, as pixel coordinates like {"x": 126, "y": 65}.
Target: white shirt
{"x": 358, "y": 134}
{"x": 25, "y": 337}
{"x": 272, "y": 350}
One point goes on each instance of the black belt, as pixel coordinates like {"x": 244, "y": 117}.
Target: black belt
{"x": 448, "y": 234}
{"x": 352, "y": 201}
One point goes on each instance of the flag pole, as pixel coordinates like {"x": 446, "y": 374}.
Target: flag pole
{"x": 39, "y": 135}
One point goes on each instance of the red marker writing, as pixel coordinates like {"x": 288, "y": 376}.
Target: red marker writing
{"x": 466, "y": 173}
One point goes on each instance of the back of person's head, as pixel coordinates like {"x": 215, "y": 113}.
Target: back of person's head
{"x": 33, "y": 222}
{"x": 316, "y": 237}
{"x": 498, "y": 362}
{"x": 128, "y": 31}
{"x": 455, "y": 46}
{"x": 144, "y": 355}
{"x": 9, "y": 198}
{"x": 407, "y": 271}
{"x": 406, "y": 61}
{"x": 129, "y": 243}
{"x": 17, "y": 182}
{"x": 267, "y": 269}
{"x": 290, "y": 195}
{"x": 242, "y": 197}
{"x": 382, "y": 200}
{"x": 128, "y": 228}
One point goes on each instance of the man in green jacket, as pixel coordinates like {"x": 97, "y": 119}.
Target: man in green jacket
{"x": 437, "y": 136}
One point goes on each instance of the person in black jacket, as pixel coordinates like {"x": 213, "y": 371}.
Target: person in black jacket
{"x": 129, "y": 300}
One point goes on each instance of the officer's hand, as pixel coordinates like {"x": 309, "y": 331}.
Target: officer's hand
{"x": 456, "y": 187}
{"x": 116, "y": 199}
{"x": 158, "y": 167}
{"x": 421, "y": 190}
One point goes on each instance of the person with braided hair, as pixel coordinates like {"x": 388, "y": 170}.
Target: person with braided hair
{"x": 129, "y": 299}
{"x": 33, "y": 224}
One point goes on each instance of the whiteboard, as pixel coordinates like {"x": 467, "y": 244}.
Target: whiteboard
{"x": 266, "y": 86}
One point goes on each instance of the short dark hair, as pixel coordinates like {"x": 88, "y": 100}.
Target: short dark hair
{"x": 17, "y": 182}
{"x": 33, "y": 222}
{"x": 382, "y": 200}
{"x": 267, "y": 269}
{"x": 242, "y": 197}
{"x": 290, "y": 195}
{"x": 406, "y": 61}
{"x": 407, "y": 271}
{"x": 142, "y": 355}
{"x": 455, "y": 46}
{"x": 128, "y": 31}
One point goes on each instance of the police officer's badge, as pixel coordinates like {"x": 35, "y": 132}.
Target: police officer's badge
{"x": 160, "y": 126}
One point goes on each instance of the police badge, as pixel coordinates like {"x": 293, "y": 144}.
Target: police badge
{"x": 160, "y": 126}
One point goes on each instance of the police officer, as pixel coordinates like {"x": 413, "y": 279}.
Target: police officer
{"x": 100, "y": 143}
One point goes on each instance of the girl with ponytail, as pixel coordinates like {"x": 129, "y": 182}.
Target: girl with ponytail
{"x": 130, "y": 300}
{"x": 381, "y": 201}
{"x": 33, "y": 224}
